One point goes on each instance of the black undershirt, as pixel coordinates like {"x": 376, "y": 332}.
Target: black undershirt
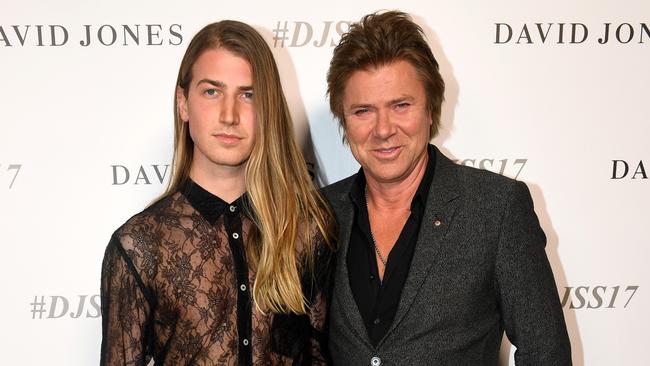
{"x": 378, "y": 300}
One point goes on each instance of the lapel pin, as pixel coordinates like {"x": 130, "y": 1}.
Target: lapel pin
{"x": 437, "y": 223}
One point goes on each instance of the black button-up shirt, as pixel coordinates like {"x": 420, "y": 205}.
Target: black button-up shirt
{"x": 378, "y": 300}
{"x": 211, "y": 207}
{"x": 176, "y": 287}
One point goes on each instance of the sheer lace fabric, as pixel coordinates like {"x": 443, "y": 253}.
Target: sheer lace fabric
{"x": 169, "y": 292}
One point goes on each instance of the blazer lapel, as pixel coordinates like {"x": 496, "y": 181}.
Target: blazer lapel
{"x": 350, "y": 311}
{"x": 438, "y": 215}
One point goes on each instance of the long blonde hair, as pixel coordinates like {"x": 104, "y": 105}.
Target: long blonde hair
{"x": 287, "y": 210}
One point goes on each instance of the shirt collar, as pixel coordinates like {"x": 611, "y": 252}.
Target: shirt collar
{"x": 210, "y": 206}
{"x": 358, "y": 191}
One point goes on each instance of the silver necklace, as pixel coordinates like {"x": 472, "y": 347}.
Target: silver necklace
{"x": 372, "y": 236}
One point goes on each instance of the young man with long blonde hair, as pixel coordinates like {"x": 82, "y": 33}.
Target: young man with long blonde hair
{"x": 229, "y": 265}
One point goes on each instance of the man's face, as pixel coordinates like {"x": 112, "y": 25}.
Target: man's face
{"x": 220, "y": 111}
{"x": 387, "y": 123}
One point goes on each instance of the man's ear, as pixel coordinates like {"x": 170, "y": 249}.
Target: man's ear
{"x": 181, "y": 101}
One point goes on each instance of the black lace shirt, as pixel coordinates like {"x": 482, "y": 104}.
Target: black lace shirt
{"x": 176, "y": 288}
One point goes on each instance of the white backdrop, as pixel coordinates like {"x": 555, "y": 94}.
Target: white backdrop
{"x": 564, "y": 115}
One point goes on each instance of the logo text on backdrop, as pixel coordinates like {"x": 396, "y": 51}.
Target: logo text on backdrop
{"x": 104, "y": 35}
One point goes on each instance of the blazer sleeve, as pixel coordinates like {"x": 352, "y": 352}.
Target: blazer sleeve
{"x": 530, "y": 305}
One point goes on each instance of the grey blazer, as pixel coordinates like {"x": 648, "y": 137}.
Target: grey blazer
{"x": 479, "y": 267}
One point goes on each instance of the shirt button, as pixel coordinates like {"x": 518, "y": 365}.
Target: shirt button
{"x": 242, "y": 287}
{"x": 375, "y": 361}
{"x": 437, "y": 223}
{"x": 376, "y": 321}
{"x": 245, "y": 342}
{"x": 235, "y": 236}
{"x": 232, "y": 208}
